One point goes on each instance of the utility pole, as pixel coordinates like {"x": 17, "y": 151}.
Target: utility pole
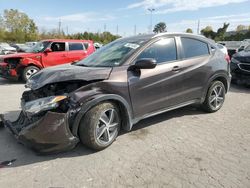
{"x": 59, "y": 27}
{"x": 67, "y": 30}
{"x": 151, "y": 10}
{"x": 104, "y": 28}
{"x": 135, "y": 30}
{"x": 198, "y": 27}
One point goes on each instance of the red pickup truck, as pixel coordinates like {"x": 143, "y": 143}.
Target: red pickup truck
{"x": 44, "y": 54}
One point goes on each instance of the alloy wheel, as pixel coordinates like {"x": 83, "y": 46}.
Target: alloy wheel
{"x": 107, "y": 126}
{"x": 216, "y": 98}
{"x": 30, "y": 72}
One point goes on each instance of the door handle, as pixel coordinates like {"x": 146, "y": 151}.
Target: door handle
{"x": 176, "y": 68}
{"x": 63, "y": 55}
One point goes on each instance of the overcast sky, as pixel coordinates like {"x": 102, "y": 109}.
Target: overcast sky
{"x": 95, "y": 15}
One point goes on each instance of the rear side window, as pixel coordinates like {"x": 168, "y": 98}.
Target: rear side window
{"x": 194, "y": 48}
{"x": 162, "y": 51}
{"x": 75, "y": 46}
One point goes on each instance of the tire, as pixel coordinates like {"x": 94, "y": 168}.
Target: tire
{"x": 94, "y": 132}
{"x": 28, "y": 72}
{"x": 215, "y": 97}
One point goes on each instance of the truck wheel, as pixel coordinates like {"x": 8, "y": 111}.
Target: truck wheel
{"x": 28, "y": 72}
{"x": 215, "y": 97}
{"x": 100, "y": 126}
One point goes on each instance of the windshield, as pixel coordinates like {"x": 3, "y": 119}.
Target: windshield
{"x": 39, "y": 47}
{"x": 112, "y": 54}
{"x": 247, "y": 48}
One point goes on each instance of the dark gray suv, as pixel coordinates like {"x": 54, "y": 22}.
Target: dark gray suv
{"x": 125, "y": 81}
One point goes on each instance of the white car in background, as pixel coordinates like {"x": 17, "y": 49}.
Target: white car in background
{"x": 5, "y": 48}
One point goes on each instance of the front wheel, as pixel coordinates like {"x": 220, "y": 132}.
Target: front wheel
{"x": 100, "y": 126}
{"x": 28, "y": 72}
{"x": 215, "y": 97}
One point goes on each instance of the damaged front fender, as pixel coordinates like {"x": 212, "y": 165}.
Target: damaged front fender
{"x": 50, "y": 134}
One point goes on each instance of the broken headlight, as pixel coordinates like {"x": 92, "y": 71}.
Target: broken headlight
{"x": 42, "y": 104}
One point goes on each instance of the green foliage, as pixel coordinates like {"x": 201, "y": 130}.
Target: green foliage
{"x": 160, "y": 27}
{"x": 189, "y": 30}
{"x": 18, "y": 27}
{"x": 217, "y": 36}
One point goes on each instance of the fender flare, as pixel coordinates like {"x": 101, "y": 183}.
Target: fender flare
{"x": 28, "y": 62}
{"x": 127, "y": 122}
{"x": 214, "y": 77}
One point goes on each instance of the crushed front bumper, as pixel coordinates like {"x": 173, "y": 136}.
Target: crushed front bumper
{"x": 48, "y": 134}
{"x": 7, "y": 72}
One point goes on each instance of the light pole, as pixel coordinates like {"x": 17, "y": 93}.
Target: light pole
{"x": 151, "y": 10}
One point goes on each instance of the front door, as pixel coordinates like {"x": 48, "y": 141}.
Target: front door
{"x": 154, "y": 89}
{"x": 57, "y": 56}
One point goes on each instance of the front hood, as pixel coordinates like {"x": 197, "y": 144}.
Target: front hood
{"x": 20, "y": 55}
{"x": 67, "y": 72}
{"x": 243, "y": 56}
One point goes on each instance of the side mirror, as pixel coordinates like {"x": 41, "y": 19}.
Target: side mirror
{"x": 47, "y": 50}
{"x": 145, "y": 63}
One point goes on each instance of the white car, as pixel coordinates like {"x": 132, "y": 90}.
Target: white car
{"x": 5, "y": 48}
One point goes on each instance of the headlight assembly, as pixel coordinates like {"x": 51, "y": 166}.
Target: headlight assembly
{"x": 233, "y": 60}
{"x": 43, "y": 104}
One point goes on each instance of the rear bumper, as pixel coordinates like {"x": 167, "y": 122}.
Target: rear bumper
{"x": 48, "y": 134}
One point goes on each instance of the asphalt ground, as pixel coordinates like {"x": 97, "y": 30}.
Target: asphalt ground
{"x": 181, "y": 148}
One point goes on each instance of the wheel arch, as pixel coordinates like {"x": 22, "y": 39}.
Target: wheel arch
{"x": 124, "y": 107}
{"x": 223, "y": 77}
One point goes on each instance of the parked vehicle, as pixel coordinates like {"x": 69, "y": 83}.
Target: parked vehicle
{"x": 224, "y": 51}
{"x": 121, "y": 83}
{"x": 5, "y": 48}
{"x": 20, "y": 47}
{"x": 44, "y": 54}
{"x": 240, "y": 67}
{"x": 30, "y": 44}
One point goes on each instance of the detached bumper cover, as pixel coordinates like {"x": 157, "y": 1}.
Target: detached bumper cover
{"x": 49, "y": 134}
{"x": 7, "y": 72}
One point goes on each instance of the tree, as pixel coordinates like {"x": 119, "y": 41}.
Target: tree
{"x": 19, "y": 26}
{"x": 189, "y": 30}
{"x": 160, "y": 27}
{"x": 241, "y": 28}
{"x": 2, "y": 29}
{"x": 208, "y": 32}
{"x": 220, "y": 35}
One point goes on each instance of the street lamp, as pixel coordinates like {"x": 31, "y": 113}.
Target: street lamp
{"x": 151, "y": 10}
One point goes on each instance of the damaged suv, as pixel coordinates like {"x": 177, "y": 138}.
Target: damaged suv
{"x": 44, "y": 54}
{"x": 125, "y": 81}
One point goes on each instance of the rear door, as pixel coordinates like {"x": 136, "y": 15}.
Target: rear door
{"x": 195, "y": 68}
{"x": 77, "y": 51}
{"x": 57, "y": 56}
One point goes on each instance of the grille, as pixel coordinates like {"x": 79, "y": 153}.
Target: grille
{"x": 244, "y": 67}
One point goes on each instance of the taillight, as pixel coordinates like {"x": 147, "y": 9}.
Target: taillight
{"x": 227, "y": 57}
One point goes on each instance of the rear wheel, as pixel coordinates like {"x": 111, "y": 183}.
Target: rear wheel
{"x": 28, "y": 72}
{"x": 215, "y": 97}
{"x": 100, "y": 126}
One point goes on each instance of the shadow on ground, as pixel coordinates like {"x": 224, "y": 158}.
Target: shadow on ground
{"x": 11, "y": 149}
{"x": 4, "y": 81}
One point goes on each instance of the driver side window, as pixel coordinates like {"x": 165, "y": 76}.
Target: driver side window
{"x": 58, "y": 46}
{"x": 163, "y": 50}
